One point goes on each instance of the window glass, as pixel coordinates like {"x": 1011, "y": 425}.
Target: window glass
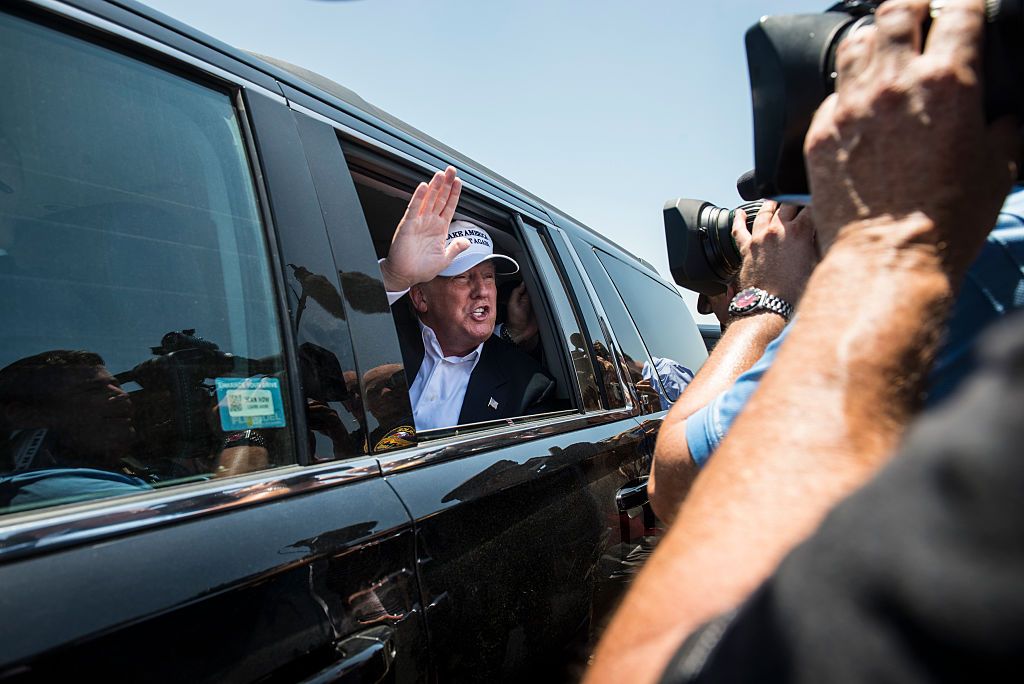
{"x": 660, "y": 314}
{"x": 596, "y": 340}
{"x": 572, "y": 337}
{"x": 571, "y": 333}
{"x": 631, "y": 356}
{"x": 139, "y": 345}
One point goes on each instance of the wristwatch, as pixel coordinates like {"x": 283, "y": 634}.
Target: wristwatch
{"x": 754, "y": 300}
{"x": 245, "y": 438}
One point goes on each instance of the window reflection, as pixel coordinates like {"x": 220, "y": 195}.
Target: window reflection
{"x": 139, "y": 343}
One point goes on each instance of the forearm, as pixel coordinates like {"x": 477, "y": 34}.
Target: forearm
{"x": 826, "y": 417}
{"x": 673, "y": 468}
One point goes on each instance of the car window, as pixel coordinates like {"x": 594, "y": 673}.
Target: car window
{"x": 597, "y": 340}
{"x": 505, "y": 381}
{"x": 139, "y": 341}
{"x": 572, "y": 338}
{"x": 676, "y": 349}
{"x": 631, "y": 356}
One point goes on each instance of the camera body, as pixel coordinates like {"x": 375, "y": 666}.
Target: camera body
{"x": 791, "y": 60}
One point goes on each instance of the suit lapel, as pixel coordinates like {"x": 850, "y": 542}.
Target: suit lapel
{"x": 484, "y": 385}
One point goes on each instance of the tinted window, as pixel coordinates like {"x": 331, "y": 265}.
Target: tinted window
{"x": 673, "y": 341}
{"x": 570, "y": 332}
{"x": 138, "y": 335}
{"x": 597, "y": 339}
{"x": 629, "y": 359}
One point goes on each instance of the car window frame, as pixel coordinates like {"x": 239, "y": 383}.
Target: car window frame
{"x": 502, "y": 212}
{"x": 558, "y": 310}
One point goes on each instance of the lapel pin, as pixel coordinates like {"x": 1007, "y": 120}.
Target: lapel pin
{"x": 493, "y": 404}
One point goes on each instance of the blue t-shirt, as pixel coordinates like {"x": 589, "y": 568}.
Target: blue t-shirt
{"x": 994, "y": 285}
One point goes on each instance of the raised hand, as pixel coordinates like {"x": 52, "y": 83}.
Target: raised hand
{"x": 418, "y": 251}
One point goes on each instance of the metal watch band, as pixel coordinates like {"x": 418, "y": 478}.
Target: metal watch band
{"x": 777, "y": 305}
{"x": 753, "y": 300}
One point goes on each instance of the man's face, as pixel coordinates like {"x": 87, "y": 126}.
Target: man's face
{"x": 717, "y": 304}
{"x": 459, "y": 309}
{"x": 90, "y": 413}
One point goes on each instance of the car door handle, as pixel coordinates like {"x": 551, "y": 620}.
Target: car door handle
{"x": 365, "y": 657}
{"x": 632, "y": 495}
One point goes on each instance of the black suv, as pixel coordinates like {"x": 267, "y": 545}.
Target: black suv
{"x": 208, "y": 469}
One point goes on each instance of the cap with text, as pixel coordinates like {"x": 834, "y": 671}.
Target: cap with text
{"x": 481, "y": 249}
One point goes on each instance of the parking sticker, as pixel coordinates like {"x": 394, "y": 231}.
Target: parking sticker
{"x": 249, "y": 403}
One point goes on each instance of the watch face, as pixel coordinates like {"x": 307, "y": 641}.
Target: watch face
{"x": 746, "y": 300}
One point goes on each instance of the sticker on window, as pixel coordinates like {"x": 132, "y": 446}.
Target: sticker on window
{"x": 248, "y": 403}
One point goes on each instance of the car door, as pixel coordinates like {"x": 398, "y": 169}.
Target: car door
{"x": 164, "y": 253}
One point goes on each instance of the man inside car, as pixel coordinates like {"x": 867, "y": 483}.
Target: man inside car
{"x": 464, "y": 373}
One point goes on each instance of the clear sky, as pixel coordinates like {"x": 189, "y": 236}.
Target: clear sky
{"x": 604, "y": 109}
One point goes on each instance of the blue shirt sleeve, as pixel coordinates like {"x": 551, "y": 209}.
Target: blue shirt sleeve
{"x": 994, "y": 286}
{"x": 706, "y": 428}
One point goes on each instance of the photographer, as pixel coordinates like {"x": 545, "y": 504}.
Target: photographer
{"x": 917, "y": 575}
{"x": 991, "y": 289}
{"x": 779, "y": 254}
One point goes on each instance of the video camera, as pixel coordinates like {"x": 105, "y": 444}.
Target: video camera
{"x": 792, "y": 59}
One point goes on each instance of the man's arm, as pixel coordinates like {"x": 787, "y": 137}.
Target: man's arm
{"x": 907, "y": 180}
{"x": 778, "y": 256}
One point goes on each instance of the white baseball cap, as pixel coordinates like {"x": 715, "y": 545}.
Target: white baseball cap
{"x": 481, "y": 248}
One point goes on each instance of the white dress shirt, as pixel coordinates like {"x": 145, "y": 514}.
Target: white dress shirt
{"x": 440, "y": 385}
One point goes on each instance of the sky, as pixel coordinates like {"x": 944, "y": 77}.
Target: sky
{"x": 603, "y": 109}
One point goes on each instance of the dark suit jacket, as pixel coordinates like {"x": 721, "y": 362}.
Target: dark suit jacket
{"x": 511, "y": 378}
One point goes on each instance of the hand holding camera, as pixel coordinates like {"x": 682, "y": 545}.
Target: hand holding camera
{"x": 779, "y": 252}
{"x": 856, "y": 174}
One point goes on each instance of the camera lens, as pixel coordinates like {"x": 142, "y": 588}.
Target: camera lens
{"x": 703, "y": 255}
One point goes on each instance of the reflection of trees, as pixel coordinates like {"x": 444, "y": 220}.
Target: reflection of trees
{"x": 364, "y": 293}
{"x": 318, "y": 288}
